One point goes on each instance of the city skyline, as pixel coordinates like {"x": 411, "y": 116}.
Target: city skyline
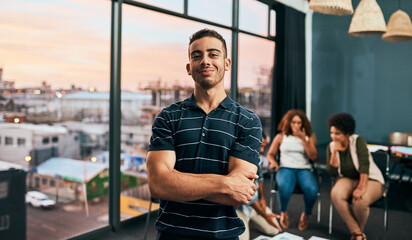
{"x": 74, "y": 48}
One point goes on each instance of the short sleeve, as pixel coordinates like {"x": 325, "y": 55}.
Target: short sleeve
{"x": 363, "y": 155}
{"x": 248, "y": 141}
{"x": 162, "y": 134}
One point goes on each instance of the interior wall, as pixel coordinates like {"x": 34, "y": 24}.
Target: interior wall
{"x": 364, "y": 76}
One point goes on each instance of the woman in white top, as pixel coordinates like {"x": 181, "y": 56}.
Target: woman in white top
{"x": 297, "y": 145}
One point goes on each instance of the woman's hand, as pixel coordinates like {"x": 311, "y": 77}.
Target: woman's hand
{"x": 358, "y": 194}
{"x": 300, "y": 133}
{"x": 336, "y": 146}
{"x": 273, "y": 165}
{"x": 270, "y": 218}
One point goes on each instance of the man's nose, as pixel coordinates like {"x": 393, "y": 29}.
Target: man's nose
{"x": 205, "y": 60}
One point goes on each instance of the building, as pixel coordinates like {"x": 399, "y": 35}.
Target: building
{"x": 53, "y": 178}
{"x": 94, "y": 107}
{"x": 12, "y": 203}
{"x": 40, "y": 142}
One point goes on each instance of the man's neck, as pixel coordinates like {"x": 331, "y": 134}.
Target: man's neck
{"x": 209, "y": 99}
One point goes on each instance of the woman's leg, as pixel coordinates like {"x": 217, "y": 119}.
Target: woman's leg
{"x": 246, "y": 234}
{"x": 341, "y": 195}
{"x": 286, "y": 181}
{"x": 309, "y": 186}
{"x": 260, "y": 223}
{"x": 374, "y": 191}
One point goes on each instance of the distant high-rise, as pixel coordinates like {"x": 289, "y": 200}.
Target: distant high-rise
{"x": 1, "y": 76}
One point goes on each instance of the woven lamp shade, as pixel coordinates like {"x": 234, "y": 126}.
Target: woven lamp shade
{"x": 334, "y": 7}
{"x": 399, "y": 27}
{"x": 367, "y": 20}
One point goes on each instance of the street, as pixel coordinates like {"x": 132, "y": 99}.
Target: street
{"x": 65, "y": 220}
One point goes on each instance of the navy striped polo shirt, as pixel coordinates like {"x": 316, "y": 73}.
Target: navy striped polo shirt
{"x": 203, "y": 143}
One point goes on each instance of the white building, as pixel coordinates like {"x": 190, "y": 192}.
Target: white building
{"x": 94, "y": 106}
{"x": 40, "y": 142}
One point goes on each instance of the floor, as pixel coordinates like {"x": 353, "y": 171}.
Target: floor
{"x": 399, "y": 227}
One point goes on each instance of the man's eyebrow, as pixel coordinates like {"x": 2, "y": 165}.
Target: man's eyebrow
{"x": 195, "y": 51}
{"x": 213, "y": 49}
{"x": 208, "y": 50}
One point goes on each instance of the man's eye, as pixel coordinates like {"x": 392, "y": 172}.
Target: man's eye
{"x": 195, "y": 57}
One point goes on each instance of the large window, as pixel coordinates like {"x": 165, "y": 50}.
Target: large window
{"x": 253, "y": 17}
{"x": 154, "y": 76}
{"x": 54, "y": 76}
{"x": 256, "y": 62}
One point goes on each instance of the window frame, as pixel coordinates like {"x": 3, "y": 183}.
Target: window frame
{"x": 115, "y": 88}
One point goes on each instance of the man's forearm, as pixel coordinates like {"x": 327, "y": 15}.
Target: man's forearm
{"x": 223, "y": 199}
{"x": 178, "y": 186}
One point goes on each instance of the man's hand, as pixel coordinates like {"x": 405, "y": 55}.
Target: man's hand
{"x": 241, "y": 186}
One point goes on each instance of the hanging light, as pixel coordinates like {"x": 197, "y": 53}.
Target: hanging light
{"x": 399, "y": 27}
{"x": 334, "y": 7}
{"x": 367, "y": 20}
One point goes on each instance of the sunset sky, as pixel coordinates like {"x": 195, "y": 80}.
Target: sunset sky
{"x": 65, "y": 42}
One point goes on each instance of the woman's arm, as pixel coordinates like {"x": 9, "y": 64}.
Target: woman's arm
{"x": 363, "y": 158}
{"x": 360, "y": 190}
{"x": 273, "y": 150}
{"x": 331, "y": 169}
{"x": 310, "y": 147}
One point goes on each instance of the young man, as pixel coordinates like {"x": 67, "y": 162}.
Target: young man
{"x": 204, "y": 152}
{"x": 257, "y": 211}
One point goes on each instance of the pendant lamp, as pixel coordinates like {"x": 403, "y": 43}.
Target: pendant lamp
{"x": 334, "y": 7}
{"x": 399, "y": 27}
{"x": 367, "y": 20}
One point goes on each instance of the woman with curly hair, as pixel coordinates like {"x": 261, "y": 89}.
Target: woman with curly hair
{"x": 359, "y": 182}
{"x": 297, "y": 145}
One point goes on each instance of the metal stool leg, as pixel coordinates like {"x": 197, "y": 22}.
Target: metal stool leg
{"x": 147, "y": 220}
{"x": 330, "y": 217}
{"x": 319, "y": 206}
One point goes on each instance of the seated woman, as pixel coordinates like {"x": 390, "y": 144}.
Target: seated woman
{"x": 360, "y": 182}
{"x": 297, "y": 146}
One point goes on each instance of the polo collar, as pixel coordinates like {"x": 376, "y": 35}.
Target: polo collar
{"x": 226, "y": 103}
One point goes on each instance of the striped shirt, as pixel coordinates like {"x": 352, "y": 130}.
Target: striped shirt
{"x": 203, "y": 143}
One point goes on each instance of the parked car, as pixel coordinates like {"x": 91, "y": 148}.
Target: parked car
{"x": 38, "y": 199}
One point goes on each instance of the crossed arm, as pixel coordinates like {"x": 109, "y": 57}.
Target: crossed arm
{"x": 166, "y": 183}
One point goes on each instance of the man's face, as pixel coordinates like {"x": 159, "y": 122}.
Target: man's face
{"x": 207, "y": 62}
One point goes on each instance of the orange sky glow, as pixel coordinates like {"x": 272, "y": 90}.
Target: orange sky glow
{"x": 67, "y": 42}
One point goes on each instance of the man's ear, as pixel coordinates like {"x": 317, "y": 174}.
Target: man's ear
{"x": 188, "y": 69}
{"x": 228, "y": 64}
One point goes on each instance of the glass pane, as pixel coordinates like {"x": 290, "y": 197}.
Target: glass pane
{"x": 173, "y": 5}
{"x": 253, "y": 17}
{"x": 154, "y": 58}
{"x": 55, "y": 69}
{"x": 272, "y": 23}
{"x": 256, "y": 62}
{"x": 219, "y": 11}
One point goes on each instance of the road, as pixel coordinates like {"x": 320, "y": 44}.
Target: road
{"x": 65, "y": 220}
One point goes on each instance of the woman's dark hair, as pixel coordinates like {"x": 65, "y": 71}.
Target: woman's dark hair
{"x": 342, "y": 121}
{"x": 284, "y": 125}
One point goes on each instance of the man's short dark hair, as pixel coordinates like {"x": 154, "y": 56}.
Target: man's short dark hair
{"x": 342, "y": 121}
{"x": 208, "y": 33}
